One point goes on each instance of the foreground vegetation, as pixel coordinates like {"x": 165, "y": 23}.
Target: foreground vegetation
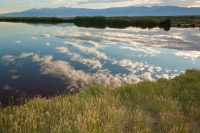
{"x": 163, "y": 106}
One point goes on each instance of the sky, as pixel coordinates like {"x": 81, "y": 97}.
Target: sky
{"x": 7, "y": 6}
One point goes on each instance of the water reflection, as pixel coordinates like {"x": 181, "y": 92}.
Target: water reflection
{"x": 50, "y": 60}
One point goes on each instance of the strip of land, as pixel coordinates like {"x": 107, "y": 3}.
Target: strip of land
{"x": 176, "y": 21}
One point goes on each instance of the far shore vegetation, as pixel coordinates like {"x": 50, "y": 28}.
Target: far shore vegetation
{"x": 45, "y": 20}
{"x": 164, "y": 106}
{"x": 164, "y": 22}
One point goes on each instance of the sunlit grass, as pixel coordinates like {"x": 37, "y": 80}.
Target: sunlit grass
{"x": 162, "y": 106}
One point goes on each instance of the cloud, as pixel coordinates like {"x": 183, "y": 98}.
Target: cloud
{"x": 131, "y": 66}
{"x": 166, "y": 76}
{"x": 48, "y": 43}
{"x": 8, "y": 58}
{"x": 91, "y": 43}
{"x": 158, "y": 69}
{"x": 78, "y": 79}
{"x": 87, "y": 50}
{"x": 148, "y": 42}
{"x": 34, "y": 38}
{"x": 93, "y": 64}
{"x": 24, "y": 55}
{"x": 122, "y": 3}
{"x": 18, "y": 41}
{"x": 15, "y": 77}
{"x": 146, "y": 50}
{"x": 145, "y": 70}
{"x": 147, "y": 76}
{"x": 190, "y": 54}
{"x": 62, "y": 50}
{"x": 7, "y": 87}
{"x": 36, "y": 58}
{"x": 46, "y": 35}
{"x": 21, "y": 5}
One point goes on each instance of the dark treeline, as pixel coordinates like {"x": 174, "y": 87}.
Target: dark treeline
{"x": 165, "y": 24}
{"x": 120, "y": 22}
{"x": 96, "y": 21}
{"x": 46, "y": 20}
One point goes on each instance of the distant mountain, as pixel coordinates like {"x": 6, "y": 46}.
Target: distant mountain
{"x": 118, "y": 11}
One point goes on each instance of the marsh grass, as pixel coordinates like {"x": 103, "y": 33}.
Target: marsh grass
{"x": 167, "y": 106}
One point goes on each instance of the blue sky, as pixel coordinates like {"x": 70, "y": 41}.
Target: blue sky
{"x": 21, "y": 5}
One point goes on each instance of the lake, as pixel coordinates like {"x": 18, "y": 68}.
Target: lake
{"x": 48, "y": 60}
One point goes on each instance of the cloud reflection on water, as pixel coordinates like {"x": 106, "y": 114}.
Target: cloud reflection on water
{"x": 46, "y": 35}
{"x": 18, "y": 41}
{"x": 113, "y": 56}
{"x": 176, "y": 38}
{"x": 79, "y": 79}
{"x": 87, "y": 50}
{"x": 93, "y": 64}
{"x": 10, "y": 58}
{"x": 190, "y": 54}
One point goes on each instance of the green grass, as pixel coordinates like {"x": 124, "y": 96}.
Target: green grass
{"x": 167, "y": 106}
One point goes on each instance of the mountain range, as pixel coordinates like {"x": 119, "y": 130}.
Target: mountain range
{"x": 117, "y": 11}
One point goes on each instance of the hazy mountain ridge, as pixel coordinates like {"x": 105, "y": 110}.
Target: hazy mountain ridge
{"x": 117, "y": 11}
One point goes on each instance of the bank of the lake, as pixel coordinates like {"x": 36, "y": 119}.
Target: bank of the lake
{"x": 114, "y": 22}
{"x": 162, "y": 106}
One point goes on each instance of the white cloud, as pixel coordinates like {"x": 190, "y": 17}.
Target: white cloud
{"x": 7, "y": 87}
{"x": 122, "y": 3}
{"x": 87, "y": 50}
{"x": 91, "y": 43}
{"x": 190, "y": 54}
{"x": 158, "y": 69}
{"x": 24, "y": 55}
{"x": 78, "y": 79}
{"x": 62, "y": 50}
{"x": 144, "y": 70}
{"x": 134, "y": 67}
{"x": 166, "y": 76}
{"x": 34, "y": 38}
{"x": 21, "y": 5}
{"x": 93, "y": 64}
{"x": 12, "y": 57}
{"x": 133, "y": 38}
{"x": 146, "y": 50}
{"x": 18, "y": 41}
{"x": 8, "y": 58}
{"x": 129, "y": 65}
{"x": 167, "y": 70}
{"x": 46, "y": 35}
{"x": 48, "y": 43}
{"x": 147, "y": 76}
{"x": 15, "y": 77}
{"x": 36, "y": 58}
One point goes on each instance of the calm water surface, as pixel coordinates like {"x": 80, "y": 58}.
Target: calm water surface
{"x": 48, "y": 60}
